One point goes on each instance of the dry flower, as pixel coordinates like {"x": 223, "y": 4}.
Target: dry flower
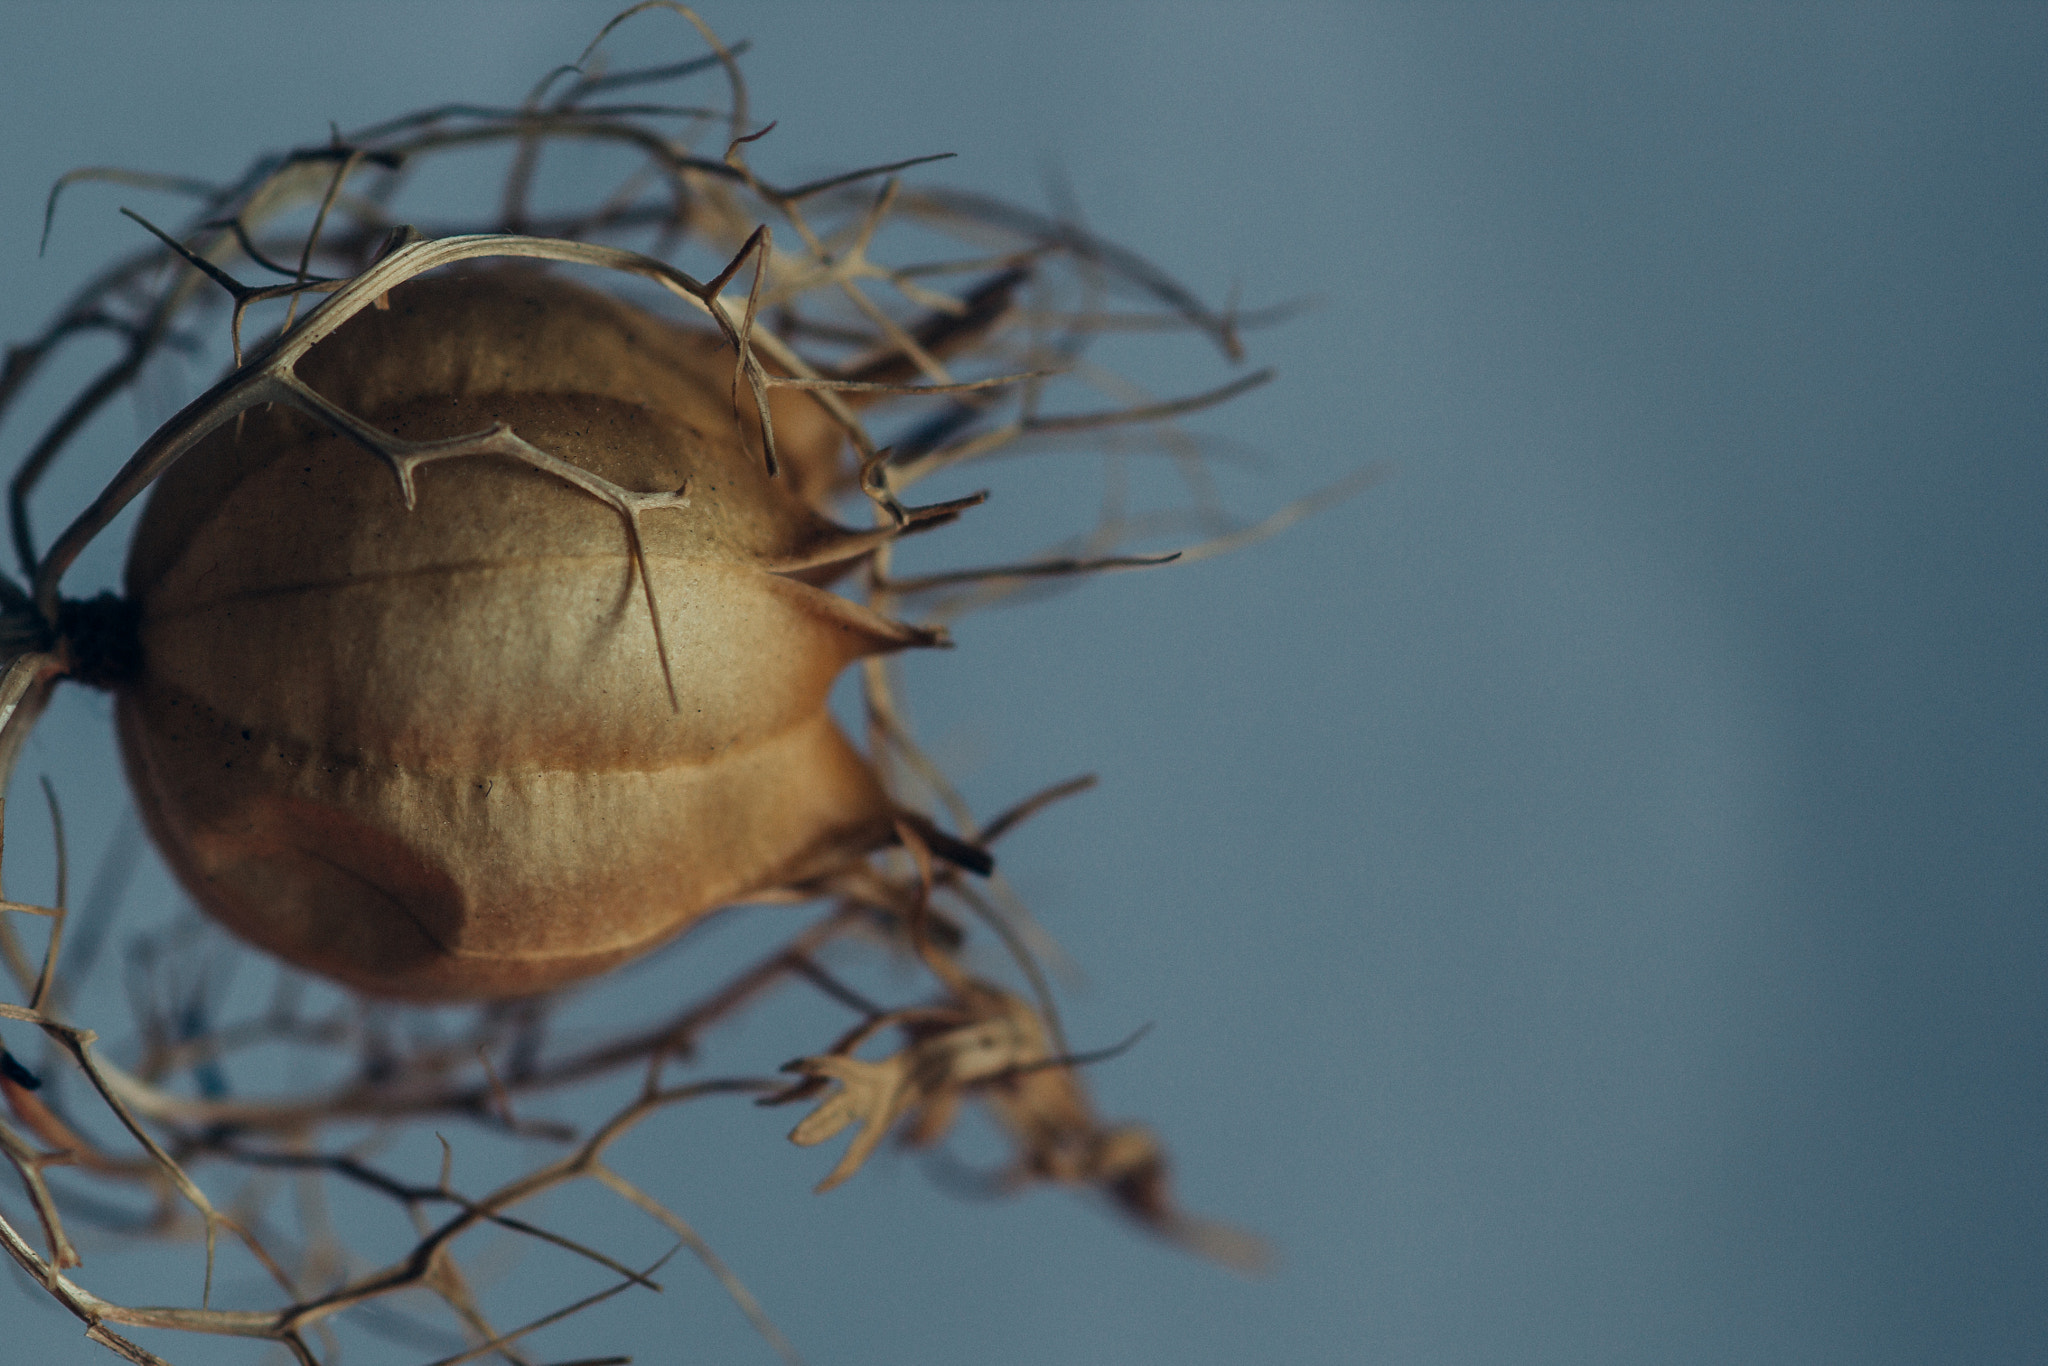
{"x": 477, "y": 638}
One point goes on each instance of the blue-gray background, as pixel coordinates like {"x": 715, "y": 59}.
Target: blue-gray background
{"x": 1589, "y": 889}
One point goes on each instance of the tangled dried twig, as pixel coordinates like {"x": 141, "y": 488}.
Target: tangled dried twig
{"x": 962, "y": 376}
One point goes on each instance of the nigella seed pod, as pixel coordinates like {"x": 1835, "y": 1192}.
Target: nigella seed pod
{"x": 478, "y": 636}
{"x": 461, "y": 750}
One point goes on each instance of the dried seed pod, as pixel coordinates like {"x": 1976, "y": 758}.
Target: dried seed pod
{"x": 433, "y": 753}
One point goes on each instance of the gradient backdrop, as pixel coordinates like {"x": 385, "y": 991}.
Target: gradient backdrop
{"x": 1588, "y": 889}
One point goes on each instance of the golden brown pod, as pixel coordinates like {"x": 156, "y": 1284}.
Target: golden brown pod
{"x": 432, "y": 753}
